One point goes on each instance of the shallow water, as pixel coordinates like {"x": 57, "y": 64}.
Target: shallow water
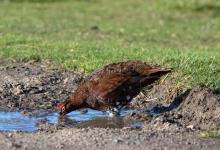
{"x": 10, "y": 121}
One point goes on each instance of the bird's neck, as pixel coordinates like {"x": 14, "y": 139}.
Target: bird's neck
{"x": 75, "y": 102}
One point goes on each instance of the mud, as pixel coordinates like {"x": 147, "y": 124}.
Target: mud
{"x": 26, "y": 86}
{"x": 170, "y": 117}
{"x": 198, "y": 107}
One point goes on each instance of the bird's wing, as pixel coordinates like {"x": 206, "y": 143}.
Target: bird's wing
{"x": 108, "y": 84}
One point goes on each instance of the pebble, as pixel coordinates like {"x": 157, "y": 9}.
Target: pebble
{"x": 117, "y": 141}
{"x": 190, "y": 127}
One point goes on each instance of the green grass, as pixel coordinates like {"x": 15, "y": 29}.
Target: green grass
{"x": 90, "y": 33}
{"x": 210, "y": 133}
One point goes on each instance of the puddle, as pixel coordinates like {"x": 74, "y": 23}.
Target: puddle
{"x": 10, "y": 121}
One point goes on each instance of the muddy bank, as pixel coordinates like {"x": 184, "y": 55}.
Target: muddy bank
{"x": 32, "y": 85}
{"x": 197, "y": 108}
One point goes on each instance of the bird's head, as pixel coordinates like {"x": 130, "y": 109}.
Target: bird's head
{"x": 64, "y": 107}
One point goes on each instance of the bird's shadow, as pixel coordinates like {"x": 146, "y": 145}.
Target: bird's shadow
{"x": 177, "y": 101}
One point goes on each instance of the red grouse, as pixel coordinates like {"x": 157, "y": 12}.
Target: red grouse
{"x": 113, "y": 86}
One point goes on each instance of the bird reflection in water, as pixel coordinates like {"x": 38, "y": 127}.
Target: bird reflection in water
{"x": 99, "y": 122}
{"x": 65, "y": 121}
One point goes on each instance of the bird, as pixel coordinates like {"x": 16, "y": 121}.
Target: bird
{"x": 112, "y": 87}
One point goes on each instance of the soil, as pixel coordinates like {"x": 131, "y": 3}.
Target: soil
{"x": 32, "y": 85}
{"x": 171, "y": 119}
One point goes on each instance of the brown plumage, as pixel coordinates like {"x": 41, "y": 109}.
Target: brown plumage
{"x": 112, "y": 86}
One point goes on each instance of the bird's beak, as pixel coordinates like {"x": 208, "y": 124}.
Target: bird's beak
{"x": 61, "y": 109}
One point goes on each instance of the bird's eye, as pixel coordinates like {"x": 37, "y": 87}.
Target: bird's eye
{"x": 63, "y": 109}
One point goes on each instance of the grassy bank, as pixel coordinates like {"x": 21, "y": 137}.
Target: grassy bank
{"x": 90, "y": 33}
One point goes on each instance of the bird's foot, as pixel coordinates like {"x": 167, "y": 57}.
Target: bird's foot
{"x": 113, "y": 112}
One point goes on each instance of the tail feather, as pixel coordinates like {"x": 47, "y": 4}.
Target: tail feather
{"x": 153, "y": 75}
{"x": 158, "y": 71}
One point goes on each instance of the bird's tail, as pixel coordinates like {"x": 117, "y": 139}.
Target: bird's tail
{"x": 159, "y": 71}
{"x": 154, "y": 74}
